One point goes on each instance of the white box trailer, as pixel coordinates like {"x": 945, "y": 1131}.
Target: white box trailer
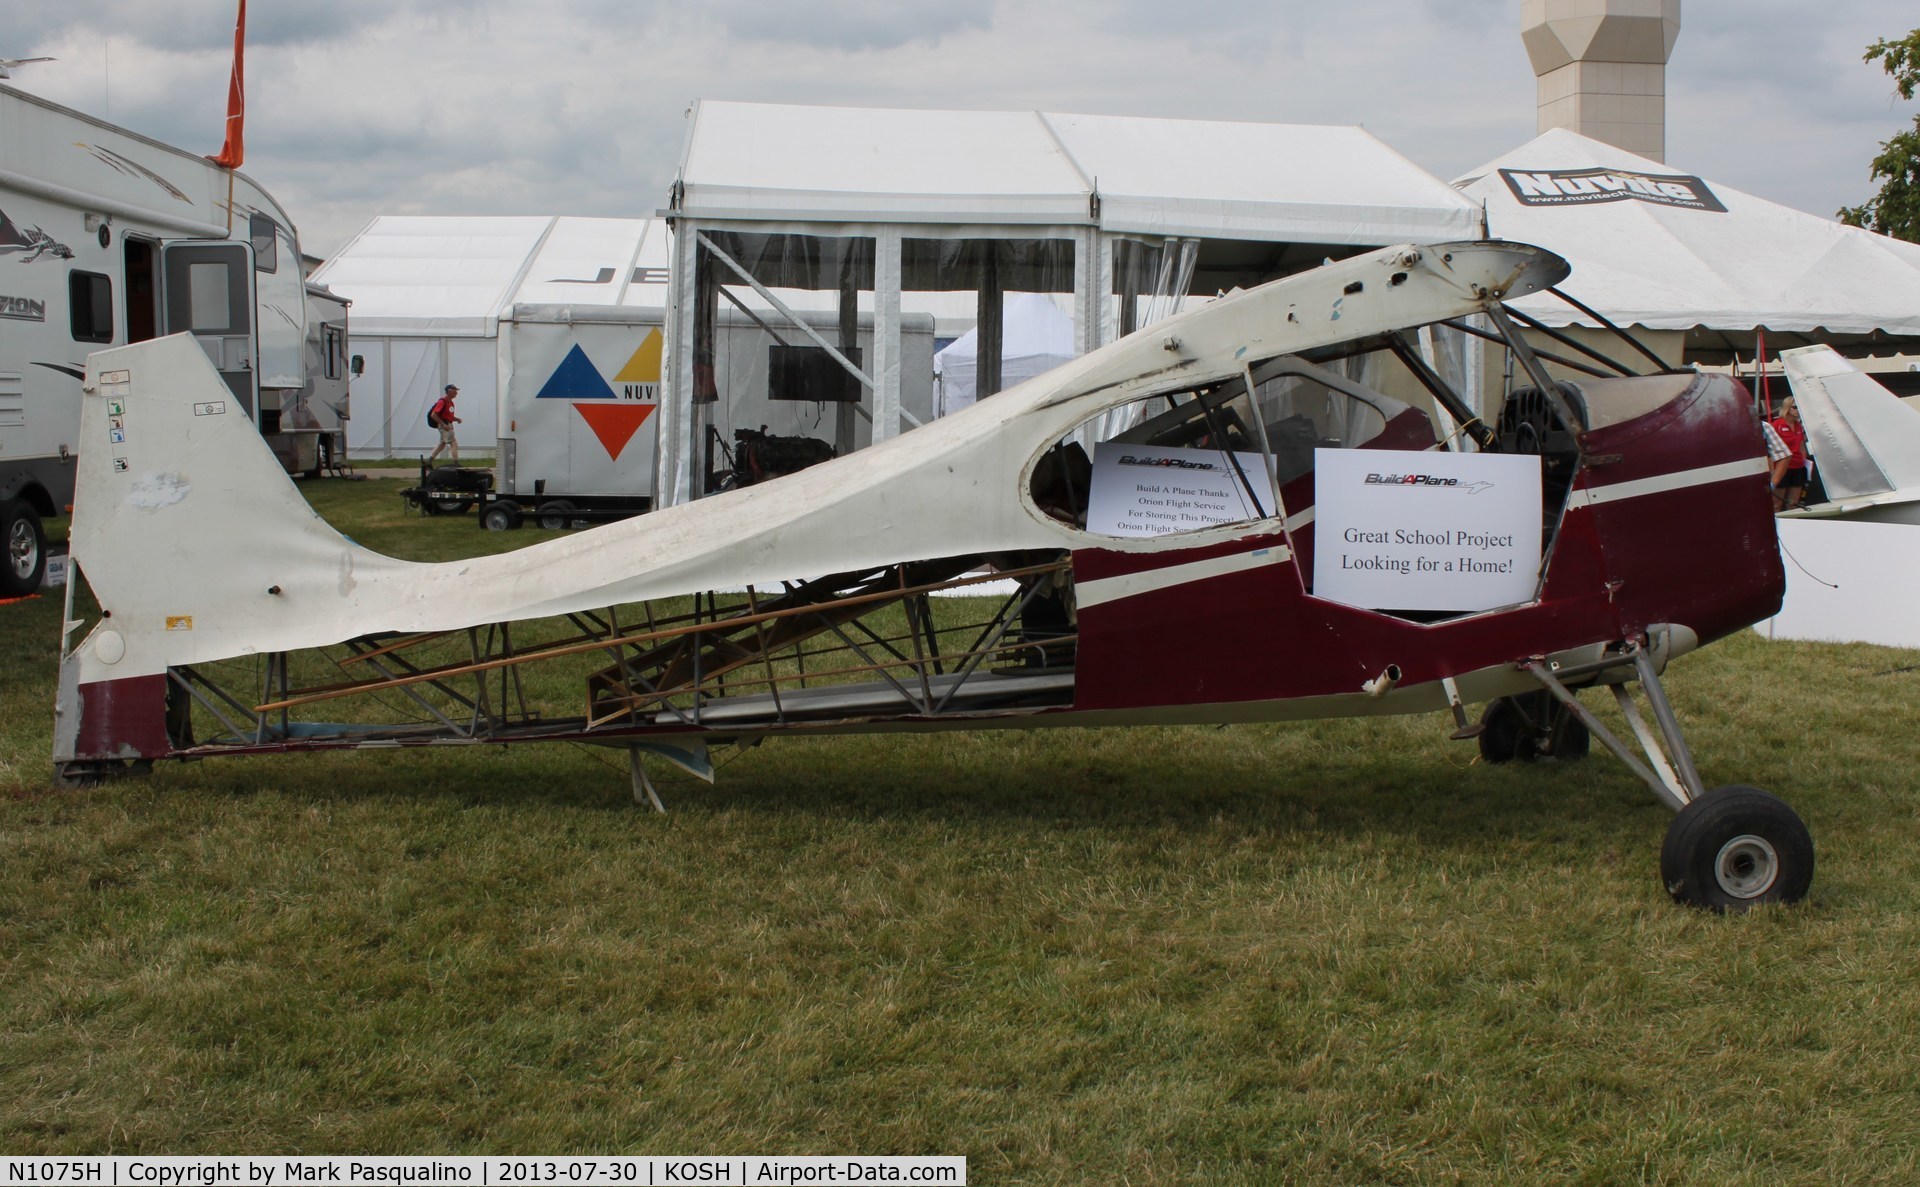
{"x": 108, "y": 237}
{"x": 580, "y": 392}
{"x": 579, "y": 386}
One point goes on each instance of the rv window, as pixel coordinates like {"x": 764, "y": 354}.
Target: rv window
{"x": 266, "y": 257}
{"x": 333, "y": 344}
{"x": 207, "y": 287}
{"x": 90, "y": 306}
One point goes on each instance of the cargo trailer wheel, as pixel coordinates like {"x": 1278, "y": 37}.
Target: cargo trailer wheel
{"x": 1735, "y": 847}
{"x": 1532, "y": 727}
{"x": 25, "y": 542}
{"x": 501, "y": 517}
{"x": 556, "y": 515}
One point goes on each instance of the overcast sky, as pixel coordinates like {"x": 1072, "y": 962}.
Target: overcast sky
{"x": 358, "y": 108}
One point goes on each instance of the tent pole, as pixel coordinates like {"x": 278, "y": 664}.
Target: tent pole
{"x": 988, "y": 317}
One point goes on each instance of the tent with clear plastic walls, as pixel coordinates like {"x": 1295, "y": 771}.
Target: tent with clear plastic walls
{"x": 875, "y": 220}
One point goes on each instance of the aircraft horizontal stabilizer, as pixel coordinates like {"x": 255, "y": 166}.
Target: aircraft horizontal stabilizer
{"x": 1864, "y": 439}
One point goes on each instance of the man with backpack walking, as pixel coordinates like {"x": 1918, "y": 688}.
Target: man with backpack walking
{"x": 441, "y": 417}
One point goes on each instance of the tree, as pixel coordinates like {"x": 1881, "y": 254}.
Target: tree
{"x": 1895, "y": 210}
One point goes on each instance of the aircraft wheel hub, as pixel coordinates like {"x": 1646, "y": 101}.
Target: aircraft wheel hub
{"x": 1746, "y": 866}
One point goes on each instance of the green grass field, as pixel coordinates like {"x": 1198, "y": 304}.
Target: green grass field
{"x": 1342, "y": 952}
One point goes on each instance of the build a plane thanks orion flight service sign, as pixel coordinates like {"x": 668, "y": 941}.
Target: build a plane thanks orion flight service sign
{"x": 1152, "y": 490}
{"x": 1412, "y": 530}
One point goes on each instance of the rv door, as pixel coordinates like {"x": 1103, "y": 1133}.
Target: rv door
{"x": 207, "y": 291}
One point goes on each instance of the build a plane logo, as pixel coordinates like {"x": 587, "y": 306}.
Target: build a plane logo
{"x": 613, "y": 415}
{"x": 1426, "y": 480}
{"x": 1582, "y": 187}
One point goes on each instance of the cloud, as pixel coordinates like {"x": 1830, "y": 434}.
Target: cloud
{"x": 366, "y": 107}
{"x": 852, "y": 25}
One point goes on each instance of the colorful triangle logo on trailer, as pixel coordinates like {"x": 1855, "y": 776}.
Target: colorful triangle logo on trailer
{"x": 614, "y": 416}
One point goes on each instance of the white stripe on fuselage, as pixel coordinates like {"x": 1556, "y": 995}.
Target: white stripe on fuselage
{"x": 1112, "y": 589}
{"x": 1660, "y": 483}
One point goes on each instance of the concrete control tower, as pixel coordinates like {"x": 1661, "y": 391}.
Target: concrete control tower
{"x": 1602, "y": 67}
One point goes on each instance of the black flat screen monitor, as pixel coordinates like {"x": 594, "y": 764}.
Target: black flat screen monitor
{"x": 810, "y": 373}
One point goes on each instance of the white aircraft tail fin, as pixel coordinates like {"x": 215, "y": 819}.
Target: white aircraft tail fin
{"x": 1865, "y": 441}
{"x": 184, "y": 523}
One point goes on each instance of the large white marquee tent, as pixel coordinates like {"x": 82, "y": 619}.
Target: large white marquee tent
{"x": 429, "y": 294}
{"x": 1707, "y": 270}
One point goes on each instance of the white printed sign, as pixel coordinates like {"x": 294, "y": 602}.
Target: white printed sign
{"x": 1150, "y": 490}
{"x": 1412, "y": 530}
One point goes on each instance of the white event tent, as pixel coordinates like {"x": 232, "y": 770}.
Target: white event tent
{"x": 1655, "y": 248}
{"x": 429, "y": 294}
{"x": 897, "y": 212}
{"x": 1038, "y": 337}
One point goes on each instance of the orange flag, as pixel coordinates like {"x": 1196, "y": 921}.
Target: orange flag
{"x": 234, "y": 151}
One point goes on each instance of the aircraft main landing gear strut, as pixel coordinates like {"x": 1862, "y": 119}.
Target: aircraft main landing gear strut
{"x": 1729, "y": 848}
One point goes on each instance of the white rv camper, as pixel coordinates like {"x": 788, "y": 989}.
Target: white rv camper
{"x": 106, "y": 238}
{"x": 313, "y": 420}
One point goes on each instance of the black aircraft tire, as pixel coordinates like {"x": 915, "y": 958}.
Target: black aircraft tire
{"x": 1734, "y": 848}
{"x": 1532, "y": 727}
{"x": 23, "y": 549}
{"x": 1504, "y": 736}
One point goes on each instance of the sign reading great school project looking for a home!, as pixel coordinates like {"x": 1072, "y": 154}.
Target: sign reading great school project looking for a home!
{"x": 1150, "y": 490}
{"x": 1405, "y": 530}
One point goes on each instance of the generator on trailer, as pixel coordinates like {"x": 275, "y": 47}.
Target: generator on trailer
{"x": 107, "y": 238}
